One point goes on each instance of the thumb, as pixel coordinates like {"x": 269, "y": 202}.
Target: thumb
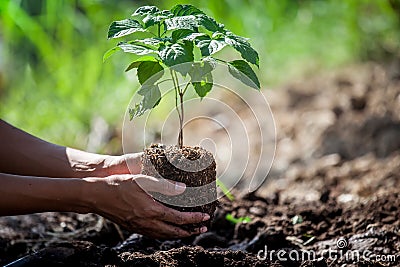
{"x": 170, "y": 188}
{"x": 161, "y": 185}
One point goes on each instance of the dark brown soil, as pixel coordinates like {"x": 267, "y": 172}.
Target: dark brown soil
{"x": 334, "y": 186}
{"x": 370, "y": 226}
{"x": 193, "y": 166}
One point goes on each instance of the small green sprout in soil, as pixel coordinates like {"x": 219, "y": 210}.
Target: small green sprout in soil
{"x": 225, "y": 190}
{"x": 166, "y": 38}
{"x": 232, "y": 219}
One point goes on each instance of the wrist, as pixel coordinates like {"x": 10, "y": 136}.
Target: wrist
{"x": 93, "y": 191}
{"x": 82, "y": 202}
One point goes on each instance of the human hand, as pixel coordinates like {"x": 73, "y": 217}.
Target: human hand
{"x": 83, "y": 164}
{"x": 120, "y": 199}
{"x": 124, "y": 164}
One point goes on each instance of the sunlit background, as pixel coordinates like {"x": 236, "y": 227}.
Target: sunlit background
{"x": 54, "y": 84}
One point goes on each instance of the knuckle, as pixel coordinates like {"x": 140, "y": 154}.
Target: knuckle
{"x": 153, "y": 211}
{"x": 162, "y": 214}
{"x": 179, "y": 219}
{"x": 182, "y": 233}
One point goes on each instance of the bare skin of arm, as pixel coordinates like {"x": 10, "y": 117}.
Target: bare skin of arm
{"x": 37, "y": 176}
{"x": 118, "y": 198}
{"x": 24, "y": 154}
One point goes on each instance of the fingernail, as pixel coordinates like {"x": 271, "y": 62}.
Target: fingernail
{"x": 180, "y": 186}
{"x": 206, "y": 217}
{"x": 203, "y": 229}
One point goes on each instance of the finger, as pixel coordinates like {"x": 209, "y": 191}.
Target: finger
{"x": 163, "y": 186}
{"x": 165, "y": 230}
{"x": 133, "y": 162}
{"x": 180, "y": 218}
{"x": 125, "y": 164}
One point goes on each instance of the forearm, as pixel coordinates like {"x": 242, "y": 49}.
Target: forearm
{"x": 26, "y": 194}
{"x": 24, "y": 154}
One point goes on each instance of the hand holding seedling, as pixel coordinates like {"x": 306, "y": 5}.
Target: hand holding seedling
{"x": 37, "y": 176}
{"x": 128, "y": 205}
{"x": 181, "y": 42}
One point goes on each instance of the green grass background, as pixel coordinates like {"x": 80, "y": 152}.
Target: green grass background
{"x": 53, "y": 81}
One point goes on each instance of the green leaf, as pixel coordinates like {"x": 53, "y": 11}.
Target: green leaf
{"x": 151, "y": 97}
{"x": 185, "y": 22}
{"x": 196, "y": 35}
{"x": 201, "y": 77}
{"x": 202, "y": 88}
{"x": 243, "y": 47}
{"x": 158, "y": 17}
{"x": 180, "y": 34}
{"x": 154, "y": 42}
{"x": 210, "y": 61}
{"x": 217, "y": 35}
{"x": 144, "y": 10}
{"x": 137, "y": 62}
{"x": 209, "y": 46}
{"x": 149, "y": 71}
{"x": 185, "y": 10}
{"x": 242, "y": 71}
{"x": 124, "y": 27}
{"x": 176, "y": 53}
{"x": 137, "y": 111}
{"x": 110, "y": 52}
{"x": 210, "y": 23}
{"x": 232, "y": 219}
{"x": 136, "y": 49}
{"x": 200, "y": 69}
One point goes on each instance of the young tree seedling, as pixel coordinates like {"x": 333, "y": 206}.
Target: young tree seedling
{"x": 167, "y": 38}
{"x": 232, "y": 219}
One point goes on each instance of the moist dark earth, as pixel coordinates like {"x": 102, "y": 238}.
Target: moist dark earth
{"x": 334, "y": 186}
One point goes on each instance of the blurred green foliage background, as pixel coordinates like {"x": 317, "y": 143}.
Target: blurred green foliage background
{"x": 53, "y": 81}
